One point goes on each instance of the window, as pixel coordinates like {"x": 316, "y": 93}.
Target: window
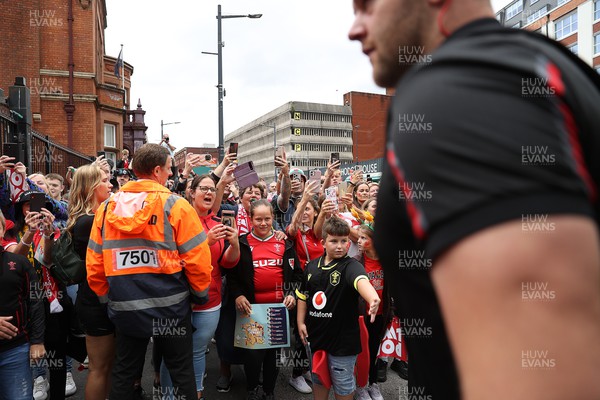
{"x": 566, "y": 26}
{"x": 597, "y": 43}
{"x": 574, "y": 48}
{"x": 561, "y": 2}
{"x": 111, "y": 156}
{"x": 514, "y": 9}
{"x": 533, "y": 2}
{"x": 110, "y": 136}
{"x": 536, "y": 15}
{"x": 596, "y": 10}
{"x": 597, "y": 69}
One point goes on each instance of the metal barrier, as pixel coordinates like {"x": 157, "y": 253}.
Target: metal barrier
{"x": 48, "y": 156}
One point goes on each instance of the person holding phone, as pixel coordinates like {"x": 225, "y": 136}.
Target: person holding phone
{"x": 225, "y": 253}
{"x": 305, "y": 232}
{"x": 22, "y": 323}
{"x": 37, "y": 183}
{"x": 292, "y": 187}
{"x": 35, "y": 236}
{"x": 125, "y": 161}
{"x": 333, "y": 176}
{"x": 165, "y": 143}
{"x": 267, "y": 272}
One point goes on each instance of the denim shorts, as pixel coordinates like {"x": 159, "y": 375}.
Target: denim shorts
{"x": 341, "y": 371}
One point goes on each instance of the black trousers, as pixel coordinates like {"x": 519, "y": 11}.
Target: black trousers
{"x": 375, "y": 330}
{"x": 56, "y": 336}
{"x": 265, "y": 359}
{"x": 176, "y": 349}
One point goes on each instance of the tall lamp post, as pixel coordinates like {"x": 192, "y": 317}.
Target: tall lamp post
{"x": 165, "y": 123}
{"x": 274, "y": 145}
{"x": 219, "y": 54}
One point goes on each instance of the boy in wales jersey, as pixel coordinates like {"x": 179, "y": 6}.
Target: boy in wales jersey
{"x": 328, "y": 308}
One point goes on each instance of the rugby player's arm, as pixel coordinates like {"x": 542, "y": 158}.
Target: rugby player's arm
{"x": 530, "y": 303}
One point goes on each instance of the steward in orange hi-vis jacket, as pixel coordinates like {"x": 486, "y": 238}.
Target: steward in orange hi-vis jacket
{"x": 147, "y": 254}
{"x": 147, "y": 257}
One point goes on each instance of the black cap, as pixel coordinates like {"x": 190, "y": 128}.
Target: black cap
{"x": 26, "y": 196}
{"x": 122, "y": 171}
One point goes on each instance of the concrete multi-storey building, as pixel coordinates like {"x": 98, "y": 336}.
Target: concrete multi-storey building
{"x": 574, "y": 23}
{"x": 309, "y": 132}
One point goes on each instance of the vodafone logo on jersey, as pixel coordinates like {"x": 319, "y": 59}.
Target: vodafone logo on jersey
{"x": 319, "y": 300}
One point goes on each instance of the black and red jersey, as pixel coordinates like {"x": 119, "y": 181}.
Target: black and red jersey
{"x": 22, "y": 298}
{"x": 501, "y": 125}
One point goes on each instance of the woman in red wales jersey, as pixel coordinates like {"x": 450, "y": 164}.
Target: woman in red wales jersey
{"x": 268, "y": 272}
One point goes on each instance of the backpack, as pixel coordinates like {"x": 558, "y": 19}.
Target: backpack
{"x": 68, "y": 267}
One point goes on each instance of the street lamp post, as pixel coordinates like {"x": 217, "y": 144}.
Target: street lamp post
{"x": 221, "y": 90}
{"x": 165, "y": 123}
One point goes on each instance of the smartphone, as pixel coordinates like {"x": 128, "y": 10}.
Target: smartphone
{"x": 101, "y": 153}
{"x": 296, "y": 177}
{"x": 228, "y": 218}
{"x": 38, "y": 200}
{"x": 369, "y": 179}
{"x": 315, "y": 175}
{"x": 245, "y": 175}
{"x": 334, "y": 157}
{"x": 279, "y": 151}
{"x": 207, "y": 157}
{"x": 233, "y": 148}
{"x": 15, "y": 150}
{"x": 331, "y": 194}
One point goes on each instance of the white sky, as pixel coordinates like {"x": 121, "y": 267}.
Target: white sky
{"x": 297, "y": 51}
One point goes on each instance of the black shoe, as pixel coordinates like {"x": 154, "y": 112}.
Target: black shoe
{"x": 224, "y": 384}
{"x": 401, "y": 368}
{"x": 381, "y": 371}
{"x": 253, "y": 394}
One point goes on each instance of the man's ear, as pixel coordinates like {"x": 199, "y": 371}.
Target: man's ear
{"x": 156, "y": 170}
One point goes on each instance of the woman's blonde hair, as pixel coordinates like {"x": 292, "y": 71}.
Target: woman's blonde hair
{"x": 43, "y": 178}
{"x": 81, "y": 197}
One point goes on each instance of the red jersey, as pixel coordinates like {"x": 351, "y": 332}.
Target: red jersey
{"x": 313, "y": 245}
{"x": 375, "y": 274}
{"x": 216, "y": 252}
{"x": 267, "y": 258}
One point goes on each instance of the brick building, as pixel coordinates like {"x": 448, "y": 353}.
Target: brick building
{"x": 369, "y": 121}
{"x": 58, "y": 46}
{"x": 180, "y": 156}
{"x": 574, "y": 23}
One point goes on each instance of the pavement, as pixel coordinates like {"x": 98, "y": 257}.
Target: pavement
{"x": 391, "y": 389}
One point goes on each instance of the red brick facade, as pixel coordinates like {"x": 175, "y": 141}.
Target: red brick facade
{"x": 35, "y": 45}
{"x": 369, "y": 118}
